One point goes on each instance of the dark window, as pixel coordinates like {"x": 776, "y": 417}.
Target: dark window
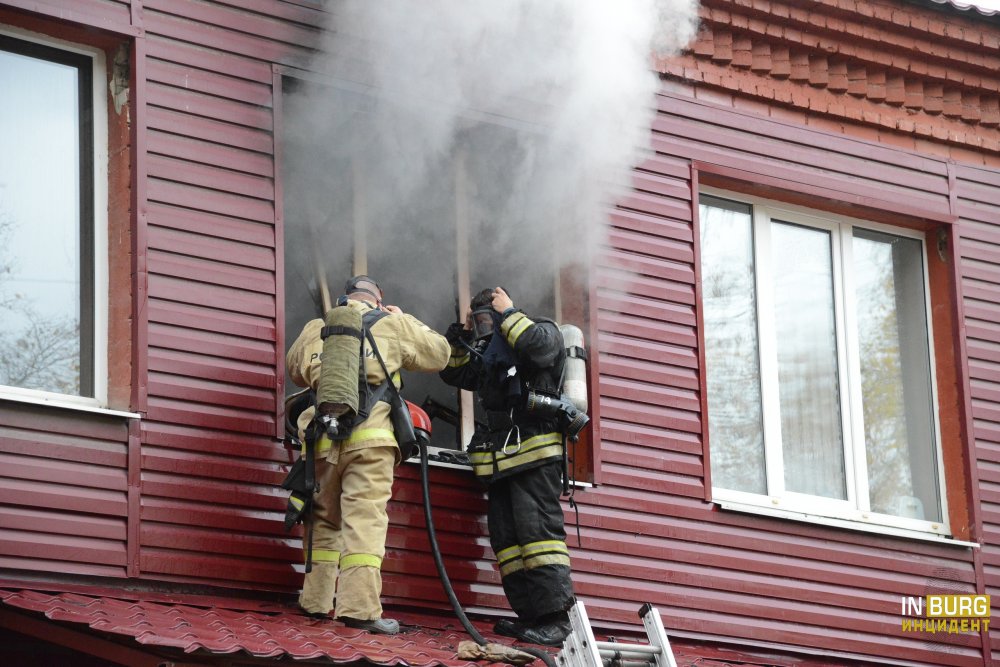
{"x": 431, "y": 243}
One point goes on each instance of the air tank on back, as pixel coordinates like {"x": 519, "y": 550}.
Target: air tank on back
{"x": 575, "y": 376}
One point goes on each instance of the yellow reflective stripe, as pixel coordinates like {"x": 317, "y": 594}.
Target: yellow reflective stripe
{"x": 323, "y": 445}
{"x": 545, "y": 545}
{"x": 325, "y": 556}
{"x": 511, "y": 567}
{"x": 546, "y": 559}
{"x": 511, "y": 320}
{"x": 535, "y": 448}
{"x": 534, "y": 442}
{"x": 457, "y": 360}
{"x": 508, "y": 553}
{"x": 518, "y": 327}
{"x": 530, "y": 457}
{"x": 483, "y": 470}
{"x": 360, "y": 560}
{"x": 298, "y": 504}
{"x": 370, "y": 434}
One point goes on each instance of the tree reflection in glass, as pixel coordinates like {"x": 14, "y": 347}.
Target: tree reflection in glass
{"x": 40, "y": 225}
{"x": 735, "y": 423}
{"x": 895, "y": 376}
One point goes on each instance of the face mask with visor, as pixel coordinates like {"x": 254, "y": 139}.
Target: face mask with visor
{"x": 483, "y": 323}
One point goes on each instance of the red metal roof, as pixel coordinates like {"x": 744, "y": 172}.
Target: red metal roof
{"x": 205, "y": 624}
{"x": 219, "y": 625}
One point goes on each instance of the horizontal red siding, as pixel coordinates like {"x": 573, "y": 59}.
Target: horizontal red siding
{"x": 210, "y": 509}
{"x": 724, "y": 574}
{"x": 978, "y": 204}
{"x": 211, "y": 505}
{"x": 63, "y": 491}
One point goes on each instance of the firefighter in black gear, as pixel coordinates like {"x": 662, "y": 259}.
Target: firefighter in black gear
{"x": 502, "y": 354}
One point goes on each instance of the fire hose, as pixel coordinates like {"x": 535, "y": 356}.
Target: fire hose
{"x": 443, "y": 573}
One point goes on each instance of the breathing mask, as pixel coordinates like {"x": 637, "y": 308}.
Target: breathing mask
{"x": 483, "y": 323}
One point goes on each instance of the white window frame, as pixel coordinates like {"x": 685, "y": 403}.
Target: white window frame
{"x": 99, "y": 101}
{"x": 855, "y": 511}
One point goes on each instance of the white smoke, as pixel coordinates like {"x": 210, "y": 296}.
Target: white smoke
{"x": 522, "y": 117}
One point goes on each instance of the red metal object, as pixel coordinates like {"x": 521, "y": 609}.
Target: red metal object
{"x": 421, "y": 422}
{"x": 215, "y": 625}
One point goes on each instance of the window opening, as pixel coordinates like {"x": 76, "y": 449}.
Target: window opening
{"x": 431, "y": 254}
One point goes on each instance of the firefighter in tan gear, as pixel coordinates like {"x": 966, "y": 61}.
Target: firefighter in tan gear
{"x": 354, "y": 475}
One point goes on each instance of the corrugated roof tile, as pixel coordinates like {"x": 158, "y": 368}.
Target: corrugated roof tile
{"x": 218, "y": 625}
{"x": 194, "y": 624}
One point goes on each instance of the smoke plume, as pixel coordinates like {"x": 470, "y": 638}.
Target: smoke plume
{"x": 515, "y": 122}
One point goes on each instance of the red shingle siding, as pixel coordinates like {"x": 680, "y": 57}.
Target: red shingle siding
{"x": 906, "y": 53}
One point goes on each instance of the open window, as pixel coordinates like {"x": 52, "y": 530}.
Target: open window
{"x": 53, "y": 203}
{"x": 432, "y": 238}
{"x": 820, "y": 360}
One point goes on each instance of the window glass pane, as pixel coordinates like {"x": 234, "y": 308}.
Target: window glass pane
{"x": 896, "y": 375}
{"x": 40, "y": 223}
{"x": 735, "y": 424}
{"x": 806, "y": 342}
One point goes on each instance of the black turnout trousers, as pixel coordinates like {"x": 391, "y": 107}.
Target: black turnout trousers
{"x": 528, "y": 535}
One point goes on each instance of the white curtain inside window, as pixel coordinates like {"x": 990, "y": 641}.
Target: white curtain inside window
{"x": 812, "y": 438}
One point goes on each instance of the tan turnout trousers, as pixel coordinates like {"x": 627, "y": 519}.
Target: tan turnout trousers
{"x": 349, "y": 526}
{"x": 355, "y": 475}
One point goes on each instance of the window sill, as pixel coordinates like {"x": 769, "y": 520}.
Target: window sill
{"x": 434, "y": 451}
{"x": 843, "y": 523}
{"x": 62, "y": 402}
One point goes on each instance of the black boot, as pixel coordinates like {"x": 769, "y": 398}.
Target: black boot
{"x": 508, "y": 627}
{"x": 552, "y": 633}
{"x": 378, "y": 626}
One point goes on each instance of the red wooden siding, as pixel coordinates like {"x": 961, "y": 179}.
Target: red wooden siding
{"x": 978, "y": 205}
{"x": 208, "y": 332}
{"x": 648, "y": 534}
{"x": 63, "y": 491}
{"x": 211, "y": 506}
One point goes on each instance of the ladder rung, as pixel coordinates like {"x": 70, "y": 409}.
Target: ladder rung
{"x": 641, "y": 649}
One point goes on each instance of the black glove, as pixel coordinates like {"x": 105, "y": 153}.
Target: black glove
{"x": 456, "y": 332}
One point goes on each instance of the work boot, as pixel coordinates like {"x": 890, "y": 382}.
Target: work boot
{"x": 378, "y": 626}
{"x": 317, "y": 615}
{"x": 547, "y": 634}
{"x": 508, "y": 627}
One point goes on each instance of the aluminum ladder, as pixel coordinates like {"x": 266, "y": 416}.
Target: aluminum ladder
{"x": 581, "y": 649}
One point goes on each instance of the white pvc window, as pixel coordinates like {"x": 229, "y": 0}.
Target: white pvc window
{"x": 53, "y": 202}
{"x": 821, "y": 396}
